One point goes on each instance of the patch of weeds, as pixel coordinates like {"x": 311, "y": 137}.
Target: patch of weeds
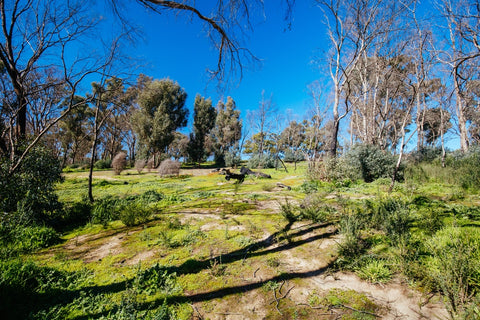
{"x": 350, "y": 228}
{"x": 273, "y": 262}
{"x": 175, "y": 198}
{"x": 217, "y": 268}
{"x": 174, "y": 223}
{"x": 356, "y": 304}
{"x": 375, "y": 271}
{"x": 310, "y": 186}
{"x": 243, "y": 241}
{"x": 104, "y": 210}
{"x": 270, "y": 286}
{"x": 134, "y": 213}
{"x": 288, "y": 211}
{"x": 268, "y": 187}
{"x": 313, "y": 208}
{"x": 166, "y": 239}
{"x": 234, "y": 208}
{"x": 203, "y": 194}
{"x": 156, "y": 278}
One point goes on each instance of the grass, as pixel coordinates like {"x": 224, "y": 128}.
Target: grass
{"x": 218, "y": 243}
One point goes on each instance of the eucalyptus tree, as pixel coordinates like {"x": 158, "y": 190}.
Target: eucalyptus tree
{"x": 292, "y": 139}
{"x": 161, "y": 111}
{"x": 204, "y": 115}
{"x": 73, "y": 130}
{"x": 226, "y": 135}
{"x": 461, "y": 54}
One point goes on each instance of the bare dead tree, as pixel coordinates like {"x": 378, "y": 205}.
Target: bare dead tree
{"x": 35, "y": 37}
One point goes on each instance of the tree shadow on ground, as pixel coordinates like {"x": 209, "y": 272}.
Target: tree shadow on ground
{"x": 61, "y": 297}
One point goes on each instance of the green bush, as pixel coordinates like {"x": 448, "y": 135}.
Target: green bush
{"x": 30, "y": 190}
{"x": 425, "y": 154}
{"x": 34, "y": 238}
{"x": 351, "y": 245}
{"x": 314, "y": 209}
{"x": 261, "y": 161}
{"x": 372, "y": 162}
{"x": 467, "y": 166}
{"x": 134, "y": 213}
{"x": 103, "y": 164}
{"x": 375, "y": 271}
{"x": 232, "y": 159}
{"x": 455, "y": 266}
{"x": 105, "y": 210}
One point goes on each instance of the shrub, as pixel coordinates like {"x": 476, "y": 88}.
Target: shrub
{"x": 261, "y": 161}
{"x": 291, "y": 156}
{"x": 169, "y": 167}
{"x": 334, "y": 169}
{"x": 140, "y": 165}
{"x": 104, "y": 210}
{"x": 375, "y": 271}
{"x": 313, "y": 208}
{"x": 455, "y": 266}
{"x": 103, "y": 164}
{"x": 119, "y": 163}
{"x": 350, "y": 228}
{"x": 372, "y": 162}
{"x": 30, "y": 190}
{"x": 467, "y": 169}
{"x": 425, "y": 154}
{"x": 232, "y": 159}
{"x": 134, "y": 213}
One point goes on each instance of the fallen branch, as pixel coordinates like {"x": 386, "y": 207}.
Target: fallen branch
{"x": 357, "y": 310}
{"x": 196, "y": 310}
{"x": 245, "y": 170}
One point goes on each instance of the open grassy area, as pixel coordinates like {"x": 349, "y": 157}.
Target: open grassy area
{"x": 199, "y": 247}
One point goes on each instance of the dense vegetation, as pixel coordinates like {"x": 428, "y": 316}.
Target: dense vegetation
{"x": 424, "y": 232}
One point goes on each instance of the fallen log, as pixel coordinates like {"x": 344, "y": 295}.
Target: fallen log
{"x": 244, "y": 170}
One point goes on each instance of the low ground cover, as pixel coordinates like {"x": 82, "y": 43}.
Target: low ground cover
{"x": 195, "y": 246}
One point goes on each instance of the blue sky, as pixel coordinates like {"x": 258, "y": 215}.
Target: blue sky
{"x": 176, "y": 47}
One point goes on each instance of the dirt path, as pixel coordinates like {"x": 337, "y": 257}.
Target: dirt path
{"x": 303, "y": 255}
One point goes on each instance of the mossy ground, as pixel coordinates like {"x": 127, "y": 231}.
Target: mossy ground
{"x": 231, "y": 251}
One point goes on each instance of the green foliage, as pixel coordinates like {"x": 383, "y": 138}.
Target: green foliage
{"x": 393, "y": 217}
{"x": 227, "y": 132}
{"x": 425, "y": 154}
{"x": 30, "y": 190}
{"x": 310, "y": 186}
{"x": 25, "y": 286}
{"x": 232, "y": 158}
{"x": 313, "y": 208}
{"x": 455, "y": 266}
{"x": 16, "y": 238}
{"x": 375, "y": 271}
{"x": 372, "y": 162}
{"x": 261, "y": 161}
{"x": 288, "y": 211}
{"x": 162, "y": 111}
{"x": 466, "y": 166}
{"x": 203, "y": 114}
{"x": 104, "y": 210}
{"x": 156, "y": 278}
{"x": 350, "y": 228}
{"x": 134, "y": 213}
{"x": 103, "y": 164}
